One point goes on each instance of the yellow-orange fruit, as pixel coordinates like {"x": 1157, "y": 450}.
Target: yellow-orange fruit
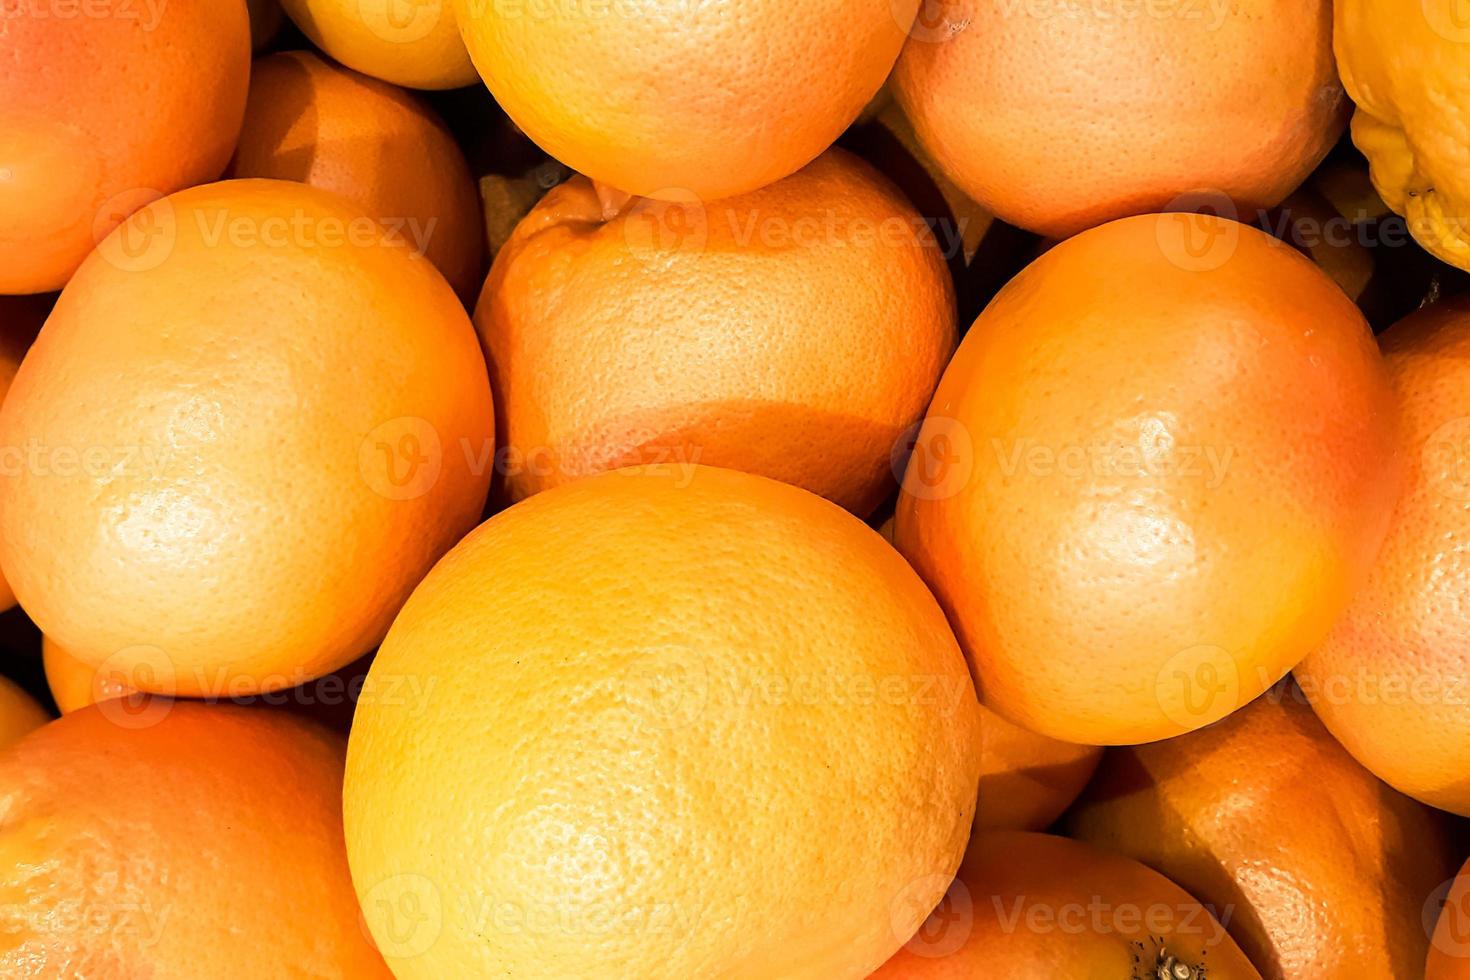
{"x": 242, "y": 444}
{"x": 1266, "y": 815}
{"x": 795, "y": 333}
{"x": 20, "y": 714}
{"x": 1027, "y": 780}
{"x": 1060, "y": 117}
{"x": 1392, "y": 681}
{"x": 407, "y": 42}
{"x": 100, "y": 115}
{"x": 376, "y": 145}
{"x": 726, "y": 101}
{"x": 1449, "y": 948}
{"x": 191, "y": 843}
{"x": 651, "y": 701}
{"x": 1034, "y": 907}
{"x": 1151, "y": 477}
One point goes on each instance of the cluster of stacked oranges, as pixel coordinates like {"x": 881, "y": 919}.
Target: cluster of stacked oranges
{"x": 708, "y": 489}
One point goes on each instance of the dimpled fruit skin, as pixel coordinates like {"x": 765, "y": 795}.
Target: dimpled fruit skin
{"x": 1392, "y": 682}
{"x": 1264, "y": 813}
{"x": 1036, "y": 907}
{"x": 1161, "y": 479}
{"x": 724, "y": 98}
{"x": 1059, "y": 120}
{"x": 193, "y": 843}
{"x": 1407, "y": 67}
{"x": 255, "y": 383}
{"x": 99, "y": 115}
{"x": 1027, "y": 780}
{"x": 677, "y": 725}
{"x": 20, "y": 714}
{"x": 799, "y": 358}
{"x": 407, "y": 42}
{"x": 374, "y": 144}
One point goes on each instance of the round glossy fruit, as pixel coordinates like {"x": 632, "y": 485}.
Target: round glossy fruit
{"x": 1392, "y": 682}
{"x": 1407, "y": 66}
{"x": 407, "y": 42}
{"x": 1151, "y": 477}
{"x": 101, "y": 115}
{"x": 1449, "y": 949}
{"x": 376, "y": 145}
{"x": 190, "y": 843}
{"x": 241, "y": 444}
{"x": 1034, "y": 907}
{"x": 728, "y": 100}
{"x": 20, "y": 319}
{"x": 1027, "y": 780}
{"x": 675, "y": 724}
{"x": 1058, "y": 120}
{"x": 795, "y": 332}
{"x": 1265, "y": 814}
{"x": 75, "y": 684}
{"x": 20, "y": 714}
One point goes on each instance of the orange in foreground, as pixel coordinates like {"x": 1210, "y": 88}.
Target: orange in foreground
{"x": 242, "y": 444}
{"x": 1327, "y": 870}
{"x": 99, "y": 115}
{"x": 374, "y": 144}
{"x": 676, "y": 725}
{"x": 1151, "y": 478}
{"x": 1059, "y": 117}
{"x": 188, "y": 843}
{"x": 795, "y": 333}
{"x": 688, "y": 100}
{"x": 1035, "y": 907}
{"x": 1392, "y": 682}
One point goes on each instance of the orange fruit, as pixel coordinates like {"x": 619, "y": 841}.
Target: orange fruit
{"x": 726, "y": 102}
{"x": 1392, "y": 681}
{"x": 794, "y": 332}
{"x": 1027, "y": 780}
{"x": 244, "y": 442}
{"x": 75, "y": 684}
{"x": 1060, "y": 118}
{"x": 1151, "y": 477}
{"x": 374, "y": 144}
{"x": 20, "y": 714}
{"x": 407, "y": 42}
{"x": 1030, "y": 906}
{"x": 719, "y": 728}
{"x": 20, "y": 319}
{"x": 1264, "y": 813}
{"x": 1449, "y": 948}
{"x": 189, "y": 841}
{"x": 100, "y": 115}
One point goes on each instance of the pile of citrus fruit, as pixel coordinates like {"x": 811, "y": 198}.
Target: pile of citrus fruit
{"x": 735, "y": 489}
